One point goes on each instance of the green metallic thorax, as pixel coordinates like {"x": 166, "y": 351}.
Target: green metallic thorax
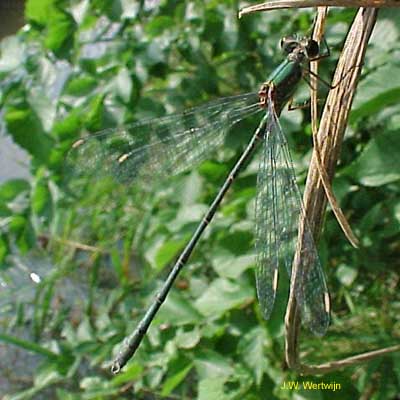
{"x": 285, "y": 79}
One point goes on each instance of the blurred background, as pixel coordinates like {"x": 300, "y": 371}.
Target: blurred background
{"x": 13, "y": 159}
{"x": 82, "y": 256}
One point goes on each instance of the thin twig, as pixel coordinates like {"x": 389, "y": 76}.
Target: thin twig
{"x": 346, "y": 362}
{"x": 280, "y": 4}
{"x": 71, "y": 243}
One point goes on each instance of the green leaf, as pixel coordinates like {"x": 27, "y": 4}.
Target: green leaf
{"x": 18, "y": 223}
{"x": 212, "y": 170}
{"x": 41, "y": 198}
{"x": 157, "y": 25}
{"x": 177, "y": 310}
{"x": 12, "y": 188}
{"x": 252, "y": 346}
{"x": 85, "y": 331}
{"x": 4, "y": 249}
{"x": 95, "y": 117}
{"x": 237, "y": 242}
{"x": 129, "y": 9}
{"x": 228, "y": 265}
{"x": 187, "y": 214}
{"x": 210, "y": 364}
{"x": 372, "y": 218}
{"x": 27, "y": 345}
{"x": 188, "y": 340}
{"x": 60, "y": 31}
{"x": 172, "y": 382}
{"x": 68, "y": 127}
{"x": 39, "y": 10}
{"x": 27, "y": 131}
{"x": 377, "y": 92}
{"x": 12, "y": 53}
{"x": 346, "y": 274}
{"x": 43, "y": 106}
{"x": 190, "y": 190}
{"x": 124, "y": 84}
{"x": 131, "y": 372}
{"x": 223, "y": 295}
{"x": 212, "y": 389}
{"x": 167, "y": 252}
{"x": 80, "y": 85}
{"x": 379, "y": 163}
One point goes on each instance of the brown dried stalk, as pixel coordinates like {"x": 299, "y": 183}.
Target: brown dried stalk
{"x": 330, "y": 136}
{"x": 279, "y": 4}
{"x": 318, "y": 35}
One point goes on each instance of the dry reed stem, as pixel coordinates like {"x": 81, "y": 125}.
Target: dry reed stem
{"x": 279, "y": 4}
{"x": 330, "y": 136}
{"x": 318, "y": 35}
{"x": 347, "y": 362}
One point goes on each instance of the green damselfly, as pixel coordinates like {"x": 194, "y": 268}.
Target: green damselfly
{"x": 171, "y": 144}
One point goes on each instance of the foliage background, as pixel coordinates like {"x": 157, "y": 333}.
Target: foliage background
{"x": 65, "y": 307}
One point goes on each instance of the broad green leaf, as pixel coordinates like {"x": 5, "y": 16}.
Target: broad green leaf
{"x": 18, "y": 223}
{"x": 228, "y": 265}
{"x": 190, "y": 190}
{"x": 237, "y": 241}
{"x": 80, "y": 85}
{"x": 371, "y": 218}
{"x": 223, "y": 295}
{"x": 178, "y": 310}
{"x": 97, "y": 388}
{"x": 167, "y": 252}
{"x": 43, "y": 106}
{"x": 157, "y": 25}
{"x": 85, "y": 331}
{"x": 379, "y": 163}
{"x": 130, "y": 9}
{"x": 212, "y": 389}
{"x": 39, "y": 10}
{"x": 252, "y": 346}
{"x": 12, "y": 188}
{"x": 68, "y": 127}
{"x": 60, "y": 31}
{"x": 210, "y": 364}
{"x": 187, "y": 340}
{"x": 131, "y": 371}
{"x": 212, "y": 170}
{"x": 187, "y": 214}
{"x": 12, "y": 52}
{"x": 27, "y": 131}
{"x": 90, "y": 382}
{"x": 376, "y": 92}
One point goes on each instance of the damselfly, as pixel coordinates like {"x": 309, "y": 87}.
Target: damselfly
{"x": 171, "y": 144}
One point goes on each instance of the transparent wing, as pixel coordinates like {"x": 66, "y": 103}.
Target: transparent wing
{"x": 162, "y": 146}
{"x": 278, "y": 208}
{"x": 267, "y": 239}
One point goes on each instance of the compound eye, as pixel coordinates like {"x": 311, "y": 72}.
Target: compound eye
{"x": 288, "y": 44}
{"x": 312, "y": 49}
